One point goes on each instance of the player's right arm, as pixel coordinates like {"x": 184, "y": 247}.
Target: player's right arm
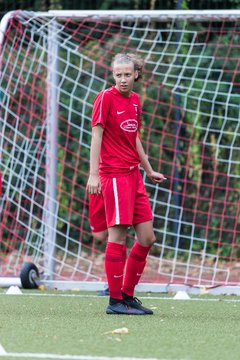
{"x": 93, "y": 184}
{"x": 156, "y": 177}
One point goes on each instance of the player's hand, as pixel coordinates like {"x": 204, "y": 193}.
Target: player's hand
{"x": 94, "y": 185}
{"x": 157, "y": 177}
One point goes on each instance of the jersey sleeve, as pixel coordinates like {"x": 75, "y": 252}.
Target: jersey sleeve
{"x": 101, "y": 108}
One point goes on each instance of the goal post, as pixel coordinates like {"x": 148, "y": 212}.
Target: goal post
{"x": 52, "y": 66}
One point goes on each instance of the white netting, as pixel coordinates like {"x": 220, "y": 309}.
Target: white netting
{"x": 53, "y": 67}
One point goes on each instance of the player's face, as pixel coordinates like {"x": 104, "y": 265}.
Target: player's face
{"x": 124, "y": 76}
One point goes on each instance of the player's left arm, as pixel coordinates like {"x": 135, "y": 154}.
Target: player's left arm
{"x": 153, "y": 175}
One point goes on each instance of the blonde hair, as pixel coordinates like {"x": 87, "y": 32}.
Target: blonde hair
{"x": 137, "y": 61}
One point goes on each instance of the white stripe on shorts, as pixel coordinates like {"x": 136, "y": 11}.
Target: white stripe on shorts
{"x": 116, "y": 200}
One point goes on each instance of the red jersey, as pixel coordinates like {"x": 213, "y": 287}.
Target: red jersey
{"x": 119, "y": 116}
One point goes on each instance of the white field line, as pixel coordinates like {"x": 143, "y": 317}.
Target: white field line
{"x": 69, "y": 357}
{"x": 2, "y": 351}
{"x": 74, "y": 357}
{"x": 141, "y": 297}
{"x": 65, "y": 357}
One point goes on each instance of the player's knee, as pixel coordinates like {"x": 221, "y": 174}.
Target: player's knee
{"x": 148, "y": 240}
{"x": 151, "y": 240}
{"x": 101, "y": 235}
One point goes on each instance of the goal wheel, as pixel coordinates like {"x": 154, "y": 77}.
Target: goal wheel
{"x": 29, "y": 276}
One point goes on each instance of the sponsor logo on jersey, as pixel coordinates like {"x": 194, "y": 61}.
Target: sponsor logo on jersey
{"x": 130, "y": 125}
{"x": 120, "y": 112}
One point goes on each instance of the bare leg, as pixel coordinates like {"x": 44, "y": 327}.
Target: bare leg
{"x": 101, "y": 235}
{"x": 117, "y": 234}
{"x": 144, "y": 233}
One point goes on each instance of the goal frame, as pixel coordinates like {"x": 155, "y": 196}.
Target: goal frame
{"x": 47, "y": 279}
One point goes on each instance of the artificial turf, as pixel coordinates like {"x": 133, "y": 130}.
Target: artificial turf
{"x": 76, "y": 324}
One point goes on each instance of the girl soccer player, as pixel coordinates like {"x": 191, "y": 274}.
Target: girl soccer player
{"x": 115, "y": 155}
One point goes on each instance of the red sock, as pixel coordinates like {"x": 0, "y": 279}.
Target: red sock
{"x": 114, "y": 267}
{"x": 135, "y": 266}
{"x": 124, "y": 254}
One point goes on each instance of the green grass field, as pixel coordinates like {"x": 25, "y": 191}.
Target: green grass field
{"x": 74, "y": 326}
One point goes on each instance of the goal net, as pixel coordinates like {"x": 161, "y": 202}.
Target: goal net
{"x": 52, "y": 67}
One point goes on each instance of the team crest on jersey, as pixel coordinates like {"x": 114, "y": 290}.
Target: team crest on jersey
{"x": 130, "y": 125}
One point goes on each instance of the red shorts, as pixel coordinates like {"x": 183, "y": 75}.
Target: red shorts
{"x": 125, "y": 199}
{"x": 97, "y": 216}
